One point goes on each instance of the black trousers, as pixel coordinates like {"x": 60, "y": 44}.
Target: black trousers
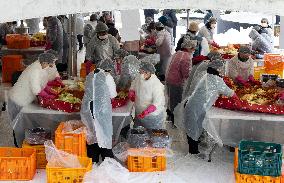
{"x": 192, "y": 145}
{"x": 94, "y": 152}
{"x": 80, "y": 41}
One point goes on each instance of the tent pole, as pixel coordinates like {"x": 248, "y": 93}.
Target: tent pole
{"x": 187, "y": 18}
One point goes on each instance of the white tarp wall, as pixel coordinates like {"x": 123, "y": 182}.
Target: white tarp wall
{"x": 23, "y": 9}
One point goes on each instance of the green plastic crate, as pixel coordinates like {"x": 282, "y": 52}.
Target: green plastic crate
{"x": 260, "y": 158}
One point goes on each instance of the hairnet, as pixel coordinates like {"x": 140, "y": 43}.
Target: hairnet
{"x": 187, "y": 43}
{"x": 101, "y": 27}
{"x": 148, "y": 67}
{"x": 216, "y": 64}
{"x": 46, "y": 57}
{"x": 213, "y": 55}
{"x": 264, "y": 20}
{"x": 245, "y": 49}
{"x": 53, "y": 52}
{"x": 152, "y": 58}
{"x": 130, "y": 66}
{"x": 120, "y": 53}
{"x": 159, "y": 25}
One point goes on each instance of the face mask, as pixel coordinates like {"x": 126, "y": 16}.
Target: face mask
{"x": 142, "y": 77}
{"x": 103, "y": 37}
{"x": 213, "y": 26}
{"x": 243, "y": 59}
{"x": 264, "y": 24}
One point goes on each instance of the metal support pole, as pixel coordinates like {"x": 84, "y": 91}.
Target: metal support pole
{"x": 187, "y": 19}
{"x": 72, "y": 52}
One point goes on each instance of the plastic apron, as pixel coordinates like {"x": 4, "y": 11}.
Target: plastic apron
{"x": 99, "y": 124}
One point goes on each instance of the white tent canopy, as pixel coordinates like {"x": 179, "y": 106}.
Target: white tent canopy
{"x": 23, "y": 9}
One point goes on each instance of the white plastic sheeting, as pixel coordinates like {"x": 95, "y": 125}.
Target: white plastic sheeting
{"x": 23, "y": 9}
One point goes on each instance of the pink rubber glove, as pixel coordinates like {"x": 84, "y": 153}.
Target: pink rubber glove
{"x": 44, "y": 94}
{"x": 118, "y": 68}
{"x": 215, "y": 44}
{"x": 237, "y": 101}
{"x": 131, "y": 95}
{"x": 48, "y": 46}
{"x": 88, "y": 66}
{"x": 251, "y": 78}
{"x": 56, "y": 82}
{"x": 148, "y": 111}
{"x": 49, "y": 90}
{"x": 240, "y": 80}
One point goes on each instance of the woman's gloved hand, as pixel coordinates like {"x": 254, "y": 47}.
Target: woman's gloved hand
{"x": 56, "y": 82}
{"x": 44, "y": 94}
{"x": 241, "y": 81}
{"x": 215, "y": 44}
{"x": 197, "y": 59}
{"x": 237, "y": 101}
{"x": 48, "y": 46}
{"x": 148, "y": 111}
{"x": 131, "y": 95}
{"x": 50, "y": 91}
{"x": 253, "y": 81}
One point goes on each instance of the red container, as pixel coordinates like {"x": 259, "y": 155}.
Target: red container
{"x": 11, "y": 64}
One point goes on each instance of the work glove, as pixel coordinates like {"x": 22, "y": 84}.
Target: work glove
{"x": 88, "y": 66}
{"x": 45, "y": 95}
{"x": 131, "y": 95}
{"x": 215, "y": 45}
{"x": 56, "y": 82}
{"x": 197, "y": 59}
{"x": 146, "y": 112}
{"x": 48, "y": 46}
{"x": 50, "y": 91}
{"x": 241, "y": 81}
{"x": 237, "y": 101}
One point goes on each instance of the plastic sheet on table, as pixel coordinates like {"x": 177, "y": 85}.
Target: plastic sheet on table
{"x": 74, "y": 127}
{"x": 110, "y": 171}
{"x": 57, "y": 158}
{"x": 37, "y": 136}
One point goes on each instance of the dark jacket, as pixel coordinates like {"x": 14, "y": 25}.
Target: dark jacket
{"x": 192, "y": 37}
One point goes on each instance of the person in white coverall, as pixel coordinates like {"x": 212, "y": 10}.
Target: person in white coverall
{"x": 96, "y": 114}
{"x": 241, "y": 67}
{"x": 148, "y": 94}
{"x": 31, "y": 83}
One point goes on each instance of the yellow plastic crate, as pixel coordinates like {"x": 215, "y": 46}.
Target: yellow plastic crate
{"x": 40, "y": 154}
{"x": 69, "y": 175}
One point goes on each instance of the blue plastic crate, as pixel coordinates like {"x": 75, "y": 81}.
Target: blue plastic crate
{"x": 260, "y": 158}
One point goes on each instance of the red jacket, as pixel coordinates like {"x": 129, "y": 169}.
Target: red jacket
{"x": 179, "y": 68}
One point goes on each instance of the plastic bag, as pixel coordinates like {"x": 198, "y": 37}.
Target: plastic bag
{"x": 57, "y": 158}
{"x": 120, "y": 151}
{"x": 138, "y": 138}
{"x": 110, "y": 171}
{"x": 160, "y": 138}
{"x": 37, "y": 136}
{"x": 74, "y": 127}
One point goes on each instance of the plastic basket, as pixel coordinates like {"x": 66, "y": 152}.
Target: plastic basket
{"x": 17, "y": 163}
{"x": 69, "y": 175}
{"x": 71, "y": 143}
{"x": 259, "y": 158}
{"x": 273, "y": 62}
{"x": 18, "y": 41}
{"x": 146, "y": 164}
{"x": 246, "y": 178}
{"x": 258, "y": 71}
{"x": 40, "y": 154}
{"x": 11, "y": 64}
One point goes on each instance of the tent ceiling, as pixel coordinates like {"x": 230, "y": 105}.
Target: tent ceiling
{"x": 22, "y": 9}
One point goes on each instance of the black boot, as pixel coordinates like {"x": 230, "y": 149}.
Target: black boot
{"x": 94, "y": 151}
{"x": 106, "y": 153}
{"x": 193, "y": 146}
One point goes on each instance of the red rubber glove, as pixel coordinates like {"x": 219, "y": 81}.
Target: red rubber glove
{"x": 241, "y": 81}
{"x": 48, "y": 46}
{"x": 88, "y": 66}
{"x": 215, "y": 44}
{"x": 237, "y": 101}
{"x": 131, "y": 95}
{"x": 56, "y": 82}
{"x": 197, "y": 59}
{"x": 44, "y": 94}
{"x": 50, "y": 91}
{"x": 148, "y": 111}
